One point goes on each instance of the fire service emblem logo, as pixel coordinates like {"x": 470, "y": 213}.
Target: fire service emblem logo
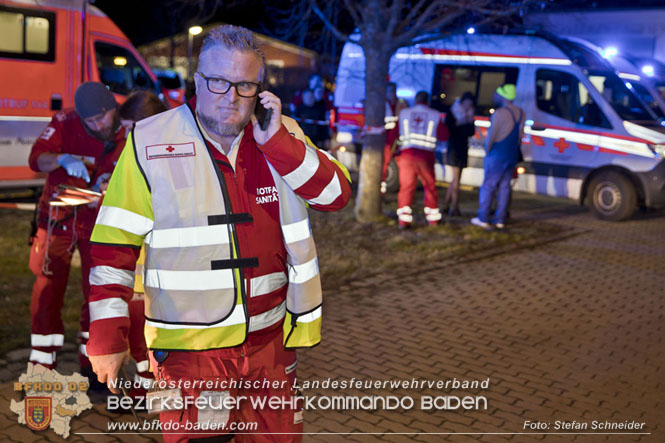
{"x": 38, "y": 412}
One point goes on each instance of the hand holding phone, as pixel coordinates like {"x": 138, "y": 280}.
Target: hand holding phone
{"x": 267, "y": 116}
{"x": 263, "y": 115}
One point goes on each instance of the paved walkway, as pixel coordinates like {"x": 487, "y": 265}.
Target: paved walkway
{"x": 570, "y": 331}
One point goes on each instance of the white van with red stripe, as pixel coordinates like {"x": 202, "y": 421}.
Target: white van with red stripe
{"x": 587, "y": 136}
{"x": 47, "y": 49}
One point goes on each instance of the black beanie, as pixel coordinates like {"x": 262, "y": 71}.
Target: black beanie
{"x": 92, "y": 98}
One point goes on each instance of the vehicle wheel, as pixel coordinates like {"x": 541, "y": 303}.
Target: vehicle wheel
{"x": 612, "y": 196}
{"x": 392, "y": 177}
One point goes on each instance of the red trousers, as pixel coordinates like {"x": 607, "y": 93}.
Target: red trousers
{"x": 387, "y": 156}
{"x": 255, "y": 364}
{"x": 50, "y": 263}
{"x": 414, "y": 164}
{"x": 391, "y": 136}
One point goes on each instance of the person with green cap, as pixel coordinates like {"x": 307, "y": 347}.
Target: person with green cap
{"x": 502, "y": 147}
{"x": 78, "y": 148}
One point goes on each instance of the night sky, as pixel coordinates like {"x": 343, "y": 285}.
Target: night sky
{"x": 147, "y": 20}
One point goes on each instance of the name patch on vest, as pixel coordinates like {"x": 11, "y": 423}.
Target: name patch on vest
{"x": 170, "y": 150}
{"x": 266, "y": 194}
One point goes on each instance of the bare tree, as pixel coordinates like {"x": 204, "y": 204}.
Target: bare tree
{"x": 191, "y": 11}
{"x": 385, "y": 26}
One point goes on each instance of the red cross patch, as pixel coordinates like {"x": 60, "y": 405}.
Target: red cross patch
{"x": 153, "y": 152}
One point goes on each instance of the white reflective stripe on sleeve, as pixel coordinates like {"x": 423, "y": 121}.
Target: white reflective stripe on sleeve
{"x": 123, "y": 219}
{"x": 108, "y": 308}
{"x": 108, "y": 275}
{"x": 188, "y": 237}
{"x": 305, "y": 272}
{"x": 406, "y": 127}
{"x": 83, "y": 334}
{"x": 143, "y": 366}
{"x": 430, "y": 128}
{"x": 237, "y": 317}
{"x": 308, "y": 318}
{"x": 267, "y": 318}
{"x": 297, "y": 231}
{"x": 46, "y": 358}
{"x": 144, "y": 382}
{"x": 83, "y": 350}
{"x": 330, "y": 193}
{"x": 266, "y": 284}
{"x": 37, "y": 340}
{"x": 304, "y": 171}
{"x": 189, "y": 280}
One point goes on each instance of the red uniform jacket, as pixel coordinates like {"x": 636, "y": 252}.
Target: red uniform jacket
{"x": 65, "y": 134}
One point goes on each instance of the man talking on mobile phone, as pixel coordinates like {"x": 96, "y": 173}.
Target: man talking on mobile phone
{"x": 231, "y": 274}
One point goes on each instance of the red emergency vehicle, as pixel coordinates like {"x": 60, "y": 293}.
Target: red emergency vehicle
{"x": 47, "y": 49}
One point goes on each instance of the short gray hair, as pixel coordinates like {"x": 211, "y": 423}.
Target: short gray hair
{"x": 234, "y": 37}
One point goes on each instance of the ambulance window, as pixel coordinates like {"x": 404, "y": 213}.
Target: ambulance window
{"x": 643, "y": 93}
{"x": 453, "y": 82}
{"x": 563, "y": 95}
{"x": 12, "y": 32}
{"x": 619, "y": 94}
{"x": 27, "y": 34}
{"x": 120, "y": 70}
{"x": 36, "y": 35}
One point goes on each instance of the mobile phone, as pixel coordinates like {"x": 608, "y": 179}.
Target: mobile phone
{"x": 262, "y": 114}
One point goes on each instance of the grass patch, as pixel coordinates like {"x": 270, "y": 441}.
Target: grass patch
{"x": 350, "y": 251}
{"x": 16, "y": 282}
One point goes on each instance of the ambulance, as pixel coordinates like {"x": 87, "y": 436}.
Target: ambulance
{"x": 636, "y": 80}
{"x": 47, "y": 49}
{"x": 587, "y": 136}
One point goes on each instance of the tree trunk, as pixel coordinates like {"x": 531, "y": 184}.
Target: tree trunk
{"x": 368, "y": 200}
{"x": 172, "y": 51}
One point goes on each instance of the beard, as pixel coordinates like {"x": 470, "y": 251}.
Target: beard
{"x": 213, "y": 126}
{"x": 107, "y": 134}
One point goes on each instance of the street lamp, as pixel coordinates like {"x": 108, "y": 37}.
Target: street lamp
{"x": 194, "y": 30}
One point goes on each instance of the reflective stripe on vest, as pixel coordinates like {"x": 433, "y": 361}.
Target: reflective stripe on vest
{"x": 417, "y": 127}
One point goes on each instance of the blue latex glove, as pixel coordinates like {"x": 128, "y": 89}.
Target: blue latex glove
{"x": 101, "y": 179}
{"x": 74, "y": 166}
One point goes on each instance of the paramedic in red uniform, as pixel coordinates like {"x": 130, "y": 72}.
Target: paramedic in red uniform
{"x": 78, "y": 148}
{"x": 418, "y": 130}
{"x": 231, "y": 275}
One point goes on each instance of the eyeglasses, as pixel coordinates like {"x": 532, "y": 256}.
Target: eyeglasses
{"x": 218, "y": 85}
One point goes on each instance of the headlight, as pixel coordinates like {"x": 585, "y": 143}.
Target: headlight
{"x": 659, "y": 150}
